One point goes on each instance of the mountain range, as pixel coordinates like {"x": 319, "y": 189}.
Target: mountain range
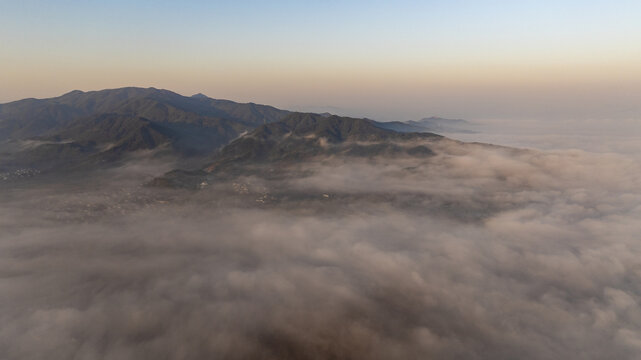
{"x": 86, "y": 130}
{"x": 302, "y": 137}
{"x": 89, "y": 128}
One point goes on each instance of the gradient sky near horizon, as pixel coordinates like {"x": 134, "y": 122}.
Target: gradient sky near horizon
{"x": 382, "y": 59}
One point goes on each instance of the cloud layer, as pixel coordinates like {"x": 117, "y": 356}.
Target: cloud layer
{"x": 477, "y": 253}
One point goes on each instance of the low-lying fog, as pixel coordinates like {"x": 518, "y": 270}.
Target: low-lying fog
{"x": 622, "y": 136}
{"x": 477, "y": 253}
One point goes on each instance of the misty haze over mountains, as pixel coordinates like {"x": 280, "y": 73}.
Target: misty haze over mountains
{"x": 142, "y": 224}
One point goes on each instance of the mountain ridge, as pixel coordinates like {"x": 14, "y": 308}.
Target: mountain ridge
{"x": 302, "y": 137}
{"x": 98, "y": 128}
{"x": 122, "y": 120}
{"x": 35, "y": 117}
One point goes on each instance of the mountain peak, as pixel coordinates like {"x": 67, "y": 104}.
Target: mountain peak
{"x": 200, "y": 96}
{"x": 73, "y": 93}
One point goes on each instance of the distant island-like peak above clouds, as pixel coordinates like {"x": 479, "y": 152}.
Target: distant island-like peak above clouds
{"x": 433, "y": 124}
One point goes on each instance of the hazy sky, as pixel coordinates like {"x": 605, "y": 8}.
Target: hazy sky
{"x": 382, "y": 59}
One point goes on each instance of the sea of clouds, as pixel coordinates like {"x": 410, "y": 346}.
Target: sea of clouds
{"x": 480, "y": 252}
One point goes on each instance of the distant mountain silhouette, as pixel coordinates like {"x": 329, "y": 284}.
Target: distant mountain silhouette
{"x": 400, "y": 126}
{"x": 438, "y": 124}
{"x": 430, "y": 124}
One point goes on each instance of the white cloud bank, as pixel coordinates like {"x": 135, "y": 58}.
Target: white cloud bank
{"x": 477, "y": 253}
